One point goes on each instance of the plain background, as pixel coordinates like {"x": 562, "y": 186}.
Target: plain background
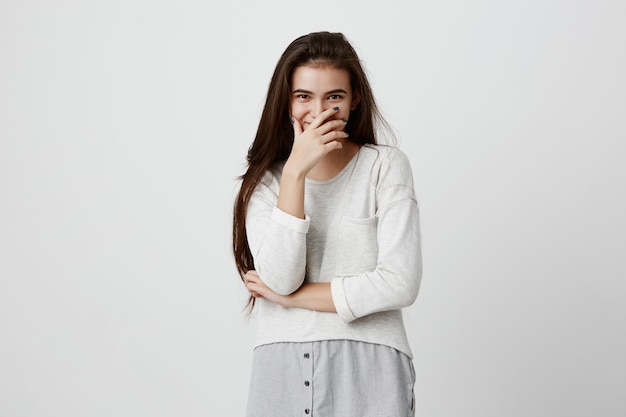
{"x": 123, "y": 128}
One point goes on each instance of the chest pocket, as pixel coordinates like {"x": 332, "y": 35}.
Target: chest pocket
{"x": 358, "y": 247}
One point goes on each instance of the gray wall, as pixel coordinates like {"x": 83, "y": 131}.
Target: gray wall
{"x": 124, "y": 124}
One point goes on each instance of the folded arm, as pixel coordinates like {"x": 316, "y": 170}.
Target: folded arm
{"x": 312, "y": 296}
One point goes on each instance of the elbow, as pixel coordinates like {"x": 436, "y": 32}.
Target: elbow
{"x": 409, "y": 290}
{"x": 286, "y": 289}
{"x": 283, "y": 285}
{"x": 406, "y": 298}
{"x": 411, "y": 296}
{"x": 283, "y": 278}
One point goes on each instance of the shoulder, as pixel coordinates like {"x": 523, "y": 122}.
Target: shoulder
{"x": 384, "y": 155}
{"x": 272, "y": 175}
{"x": 269, "y": 184}
{"x": 388, "y": 164}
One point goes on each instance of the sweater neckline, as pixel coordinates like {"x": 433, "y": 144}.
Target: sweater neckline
{"x": 340, "y": 174}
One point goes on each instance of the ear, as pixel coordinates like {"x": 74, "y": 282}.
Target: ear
{"x": 356, "y": 99}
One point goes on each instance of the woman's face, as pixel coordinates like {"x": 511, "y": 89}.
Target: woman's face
{"x": 318, "y": 87}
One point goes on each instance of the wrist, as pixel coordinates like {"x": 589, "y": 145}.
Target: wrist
{"x": 289, "y": 301}
{"x": 293, "y": 172}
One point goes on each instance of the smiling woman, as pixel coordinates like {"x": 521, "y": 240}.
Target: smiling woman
{"x": 326, "y": 239}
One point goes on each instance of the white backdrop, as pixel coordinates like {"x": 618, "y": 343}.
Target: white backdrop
{"x": 123, "y": 127}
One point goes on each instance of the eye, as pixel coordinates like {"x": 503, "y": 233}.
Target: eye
{"x": 302, "y": 96}
{"x": 334, "y": 97}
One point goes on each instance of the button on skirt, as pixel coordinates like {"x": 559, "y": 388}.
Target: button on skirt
{"x": 330, "y": 378}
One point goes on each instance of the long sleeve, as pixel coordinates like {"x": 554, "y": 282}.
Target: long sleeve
{"x": 394, "y": 280}
{"x": 277, "y": 240}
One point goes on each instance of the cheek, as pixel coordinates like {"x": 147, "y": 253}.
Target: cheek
{"x": 296, "y": 110}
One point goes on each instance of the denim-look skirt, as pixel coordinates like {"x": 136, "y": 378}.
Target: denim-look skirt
{"x": 331, "y": 378}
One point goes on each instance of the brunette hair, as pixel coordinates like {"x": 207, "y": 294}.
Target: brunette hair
{"x": 274, "y": 137}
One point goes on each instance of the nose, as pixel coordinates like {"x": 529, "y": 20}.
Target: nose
{"x": 317, "y": 107}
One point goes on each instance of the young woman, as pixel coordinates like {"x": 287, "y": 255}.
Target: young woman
{"x": 326, "y": 239}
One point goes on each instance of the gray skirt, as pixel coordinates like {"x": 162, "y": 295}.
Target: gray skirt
{"x": 331, "y": 378}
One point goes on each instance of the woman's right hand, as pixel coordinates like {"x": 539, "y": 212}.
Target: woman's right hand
{"x": 312, "y": 143}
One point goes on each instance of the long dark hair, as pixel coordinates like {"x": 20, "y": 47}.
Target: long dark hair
{"x": 274, "y": 137}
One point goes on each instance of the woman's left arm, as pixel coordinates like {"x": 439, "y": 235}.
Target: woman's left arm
{"x": 395, "y": 280}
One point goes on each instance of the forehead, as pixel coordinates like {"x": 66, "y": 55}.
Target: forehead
{"x": 320, "y": 77}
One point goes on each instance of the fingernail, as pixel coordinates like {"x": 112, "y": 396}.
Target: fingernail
{"x": 291, "y": 119}
{"x": 345, "y": 121}
{"x": 335, "y": 108}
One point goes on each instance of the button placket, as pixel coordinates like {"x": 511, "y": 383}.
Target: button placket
{"x": 307, "y": 378}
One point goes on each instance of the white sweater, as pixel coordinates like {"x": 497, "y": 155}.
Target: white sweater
{"x": 360, "y": 233}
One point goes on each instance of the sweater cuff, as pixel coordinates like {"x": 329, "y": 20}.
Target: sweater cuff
{"x": 291, "y": 222}
{"x": 339, "y": 299}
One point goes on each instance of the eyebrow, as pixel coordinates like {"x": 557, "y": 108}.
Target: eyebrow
{"x": 335, "y": 91}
